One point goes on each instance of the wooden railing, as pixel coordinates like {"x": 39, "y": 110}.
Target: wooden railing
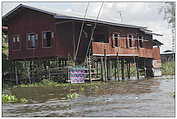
{"x": 98, "y": 49}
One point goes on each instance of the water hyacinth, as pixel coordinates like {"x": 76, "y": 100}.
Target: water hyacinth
{"x": 72, "y": 96}
{"x": 13, "y": 99}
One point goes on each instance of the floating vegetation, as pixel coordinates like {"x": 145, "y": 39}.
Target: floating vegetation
{"x": 72, "y": 95}
{"x": 50, "y": 83}
{"x": 12, "y": 99}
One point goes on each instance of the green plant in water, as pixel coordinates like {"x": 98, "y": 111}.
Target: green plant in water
{"x": 23, "y": 100}
{"x": 9, "y": 99}
{"x": 12, "y": 99}
{"x": 82, "y": 89}
{"x": 72, "y": 96}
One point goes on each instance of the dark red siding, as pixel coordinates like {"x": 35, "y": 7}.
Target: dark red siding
{"x": 29, "y": 21}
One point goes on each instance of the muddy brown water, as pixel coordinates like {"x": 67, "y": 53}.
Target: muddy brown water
{"x": 128, "y": 98}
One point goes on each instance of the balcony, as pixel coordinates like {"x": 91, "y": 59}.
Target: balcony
{"x": 98, "y": 50}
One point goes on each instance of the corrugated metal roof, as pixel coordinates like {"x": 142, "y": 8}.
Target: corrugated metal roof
{"x": 60, "y": 16}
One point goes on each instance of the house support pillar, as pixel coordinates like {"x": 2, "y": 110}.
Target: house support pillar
{"x": 122, "y": 68}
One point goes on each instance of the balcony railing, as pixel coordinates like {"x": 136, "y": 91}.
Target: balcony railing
{"x": 98, "y": 49}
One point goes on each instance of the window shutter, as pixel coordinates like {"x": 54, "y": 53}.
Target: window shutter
{"x": 14, "y": 39}
{"x": 52, "y": 34}
{"x": 18, "y": 39}
{"x": 29, "y": 37}
{"x": 36, "y": 37}
{"x": 44, "y": 35}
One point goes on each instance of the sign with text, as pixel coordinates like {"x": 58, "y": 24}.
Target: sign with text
{"x": 77, "y": 75}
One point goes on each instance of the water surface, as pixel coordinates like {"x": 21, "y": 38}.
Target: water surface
{"x": 128, "y": 98}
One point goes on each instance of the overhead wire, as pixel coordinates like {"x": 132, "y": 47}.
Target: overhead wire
{"x": 93, "y": 31}
{"x": 82, "y": 27}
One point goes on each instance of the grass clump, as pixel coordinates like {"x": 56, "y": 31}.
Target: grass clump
{"x": 12, "y": 99}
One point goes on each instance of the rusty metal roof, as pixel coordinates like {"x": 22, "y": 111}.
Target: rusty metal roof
{"x": 60, "y": 16}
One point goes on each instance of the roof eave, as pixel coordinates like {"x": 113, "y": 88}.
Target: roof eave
{"x": 29, "y": 7}
{"x": 99, "y": 21}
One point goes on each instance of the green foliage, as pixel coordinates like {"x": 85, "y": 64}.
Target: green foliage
{"x": 72, "y": 95}
{"x": 12, "y": 99}
{"x": 168, "y": 68}
{"x": 172, "y": 94}
{"x": 51, "y": 83}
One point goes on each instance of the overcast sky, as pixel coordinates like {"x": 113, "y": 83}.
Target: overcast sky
{"x": 134, "y": 13}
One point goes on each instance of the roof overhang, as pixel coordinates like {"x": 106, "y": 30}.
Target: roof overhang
{"x": 156, "y": 43}
{"x": 60, "y": 16}
{"x": 150, "y": 32}
{"x": 12, "y": 12}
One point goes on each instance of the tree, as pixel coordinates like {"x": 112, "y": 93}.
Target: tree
{"x": 169, "y": 15}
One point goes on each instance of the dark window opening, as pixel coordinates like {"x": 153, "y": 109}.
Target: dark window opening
{"x": 126, "y": 43}
{"x": 16, "y": 42}
{"x": 130, "y": 38}
{"x": 116, "y": 42}
{"x": 32, "y": 39}
{"x": 100, "y": 38}
{"x": 47, "y": 39}
{"x": 130, "y": 42}
{"x": 140, "y": 38}
{"x": 115, "y": 39}
{"x": 140, "y": 43}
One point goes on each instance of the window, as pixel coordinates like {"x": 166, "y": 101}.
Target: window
{"x": 115, "y": 38}
{"x": 32, "y": 40}
{"x": 16, "y": 42}
{"x": 100, "y": 38}
{"x": 47, "y": 39}
{"x": 130, "y": 38}
{"x": 140, "y": 39}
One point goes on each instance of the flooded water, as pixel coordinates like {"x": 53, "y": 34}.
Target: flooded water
{"x": 129, "y": 98}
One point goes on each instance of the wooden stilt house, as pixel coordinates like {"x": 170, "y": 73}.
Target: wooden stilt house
{"x": 35, "y": 34}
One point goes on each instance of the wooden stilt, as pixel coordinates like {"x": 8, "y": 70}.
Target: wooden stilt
{"x": 102, "y": 69}
{"x": 117, "y": 64}
{"x": 128, "y": 69}
{"x": 137, "y": 68}
{"x": 110, "y": 70}
{"x": 122, "y": 68}
{"x": 105, "y": 65}
{"x": 115, "y": 69}
{"x": 90, "y": 69}
{"x": 97, "y": 68}
{"x": 29, "y": 73}
{"x": 16, "y": 73}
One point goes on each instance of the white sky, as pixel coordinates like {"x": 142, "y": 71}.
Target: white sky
{"x": 134, "y": 13}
